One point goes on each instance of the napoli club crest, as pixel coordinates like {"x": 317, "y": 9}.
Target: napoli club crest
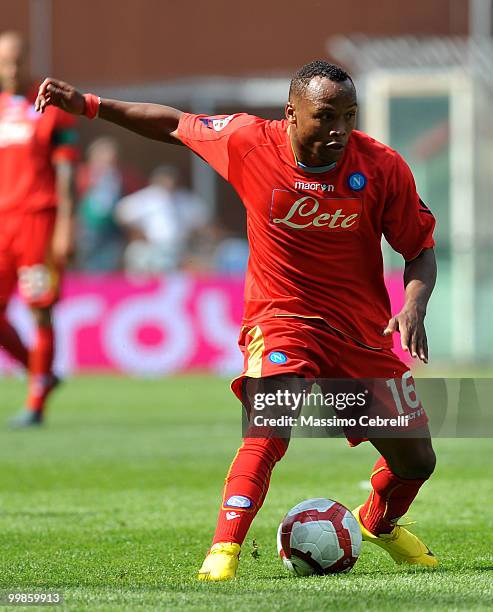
{"x": 278, "y": 357}
{"x": 357, "y": 181}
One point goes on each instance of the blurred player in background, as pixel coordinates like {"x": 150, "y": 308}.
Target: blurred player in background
{"x": 158, "y": 221}
{"x": 36, "y": 204}
{"x": 101, "y": 181}
{"x": 319, "y": 196}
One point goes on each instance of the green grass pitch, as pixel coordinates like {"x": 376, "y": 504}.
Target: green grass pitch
{"x": 114, "y": 502}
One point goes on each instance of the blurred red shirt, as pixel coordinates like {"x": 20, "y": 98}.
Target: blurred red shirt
{"x": 315, "y": 238}
{"x": 30, "y": 146}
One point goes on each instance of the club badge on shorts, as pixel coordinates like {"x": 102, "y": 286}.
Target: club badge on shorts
{"x": 277, "y": 357}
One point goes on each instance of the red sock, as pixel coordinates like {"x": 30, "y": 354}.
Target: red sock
{"x": 389, "y": 500}
{"x": 246, "y": 486}
{"x": 40, "y": 364}
{"x": 11, "y": 342}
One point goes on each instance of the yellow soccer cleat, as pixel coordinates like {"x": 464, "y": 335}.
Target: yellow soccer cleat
{"x": 221, "y": 562}
{"x": 402, "y": 545}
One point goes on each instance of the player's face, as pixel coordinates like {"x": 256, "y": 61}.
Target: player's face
{"x": 12, "y": 64}
{"x": 322, "y": 120}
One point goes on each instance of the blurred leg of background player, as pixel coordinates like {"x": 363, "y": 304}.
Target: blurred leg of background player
{"x": 37, "y": 360}
{"x": 9, "y": 338}
{"x": 28, "y": 260}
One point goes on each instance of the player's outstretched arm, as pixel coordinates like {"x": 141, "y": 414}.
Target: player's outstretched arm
{"x": 150, "y": 120}
{"x": 419, "y": 281}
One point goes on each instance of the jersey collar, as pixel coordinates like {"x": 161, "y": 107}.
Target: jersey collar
{"x": 315, "y": 169}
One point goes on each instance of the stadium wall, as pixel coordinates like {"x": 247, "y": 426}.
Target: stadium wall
{"x": 132, "y": 41}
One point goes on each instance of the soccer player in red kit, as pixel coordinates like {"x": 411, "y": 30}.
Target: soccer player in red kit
{"x": 36, "y": 155}
{"x": 319, "y": 195}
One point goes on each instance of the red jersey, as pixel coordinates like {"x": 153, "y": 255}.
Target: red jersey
{"x": 315, "y": 239}
{"x": 30, "y": 145}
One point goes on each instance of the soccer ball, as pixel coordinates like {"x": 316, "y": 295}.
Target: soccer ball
{"x": 319, "y": 536}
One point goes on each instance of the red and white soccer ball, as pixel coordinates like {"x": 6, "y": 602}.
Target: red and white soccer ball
{"x": 319, "y": 536}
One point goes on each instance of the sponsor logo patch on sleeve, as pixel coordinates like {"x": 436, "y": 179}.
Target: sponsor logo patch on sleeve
{"x": 216, "y": 123}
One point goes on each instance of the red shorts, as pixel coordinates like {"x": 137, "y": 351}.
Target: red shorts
{"x": 309, "y": 348}
{"x": 25, "y": 246}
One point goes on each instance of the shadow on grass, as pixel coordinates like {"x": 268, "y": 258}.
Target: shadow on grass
{"x": 50, "y": 514}
{"x": 479, "y": 568}
{"x": 404, "y": 571}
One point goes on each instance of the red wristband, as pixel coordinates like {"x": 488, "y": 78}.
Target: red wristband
{"x": 92, "y": 103}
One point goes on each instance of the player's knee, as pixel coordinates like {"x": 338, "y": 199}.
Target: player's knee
{"x": 425, "y": 464}
{"x": 421, "y": 466}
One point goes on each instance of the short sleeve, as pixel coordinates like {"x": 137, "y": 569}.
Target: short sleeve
{"x": 65, "y": 138}
{"x": 408, "y": 223}
{"x": 216, "y": 139}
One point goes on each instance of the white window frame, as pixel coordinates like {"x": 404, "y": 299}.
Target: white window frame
{"x": 378, "y": 88}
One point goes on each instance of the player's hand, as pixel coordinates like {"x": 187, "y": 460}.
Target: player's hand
{"x": 410, "y": 324}
{"x": 62, "y": 245}
{"x": 57, "y": 93}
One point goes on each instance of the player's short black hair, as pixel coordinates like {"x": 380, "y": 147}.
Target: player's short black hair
{"x": 317, "y": 68}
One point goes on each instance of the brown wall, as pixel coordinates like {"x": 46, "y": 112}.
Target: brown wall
{"x": 14, "y": 15}
{"x": 131, "y": 41}
{"x": 134, "y": 41}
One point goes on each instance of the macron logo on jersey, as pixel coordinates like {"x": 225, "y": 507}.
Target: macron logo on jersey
{"x": 315, "y": 214}
{"x": 215, "y": 123}
{"x": 302, "y": 186}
